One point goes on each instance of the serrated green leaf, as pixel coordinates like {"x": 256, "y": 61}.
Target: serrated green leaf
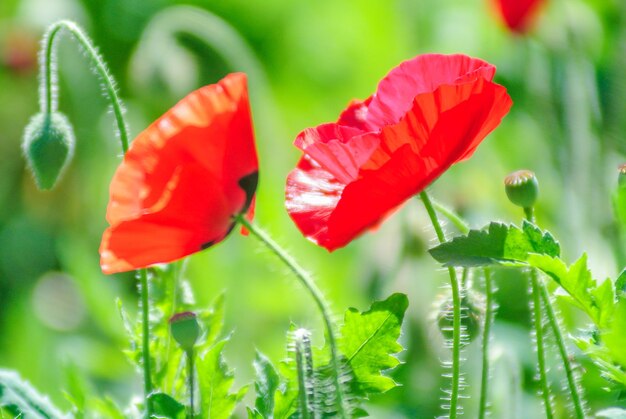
{"x": 620, "y": 285}
{"x": 18, "y": 396}
{"x": 615, "y": 337}
{"x": 266, "y": 385}
{"x": 286, "y": 398}
{"x": 368, "y": 341}
{"x": 499, "y": 243}
{"x": 215, "y": 381}
{"x": 596, "y": 301}
{"x": 166, "y": 407}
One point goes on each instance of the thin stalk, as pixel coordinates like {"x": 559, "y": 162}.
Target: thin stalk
{"x": 484, "y": 379}
{"x": 49, "y": 104}
{"x": 541, "y": 357}
{"x": 145, "y": 350}
{"x": 190, "y": 381}
{"x": 48, "y": 66}
{"x": 452, "y": 216}
{"x": 456, "y": 311}
{"x": 558, "y": 337}
{"x": 317, "y": 295}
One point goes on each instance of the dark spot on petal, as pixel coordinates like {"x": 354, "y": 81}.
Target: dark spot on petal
{"x": 212, "y": 242}
{"x": 249, "y": 183}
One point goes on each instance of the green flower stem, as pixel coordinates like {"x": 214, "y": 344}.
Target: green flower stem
{"x": 484, "y": 378}
{"x": 456, "y": 311}
{"x": 541, "y": 357}
{"x": 558, "y": 336}
{"x": 317, "y": 295}
{"x": 452, "y": 216}
{"x": 49, "y": 105}
{"x": 48, "y": 69}
{"x": 190, "y": 382}
{"x": 145, "y": 350}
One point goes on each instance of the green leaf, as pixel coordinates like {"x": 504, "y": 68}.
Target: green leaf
{"x": 620, "y": 285}
{"x": 215, "y": 381}
{"x": 266, "y": 385}
{"x": 19, "y": 397}
{"x": 286, "y": 398}
{"x": 368, "y": 341}
{"x": 166, "y": 407}
{"x": 595, "y": 300}
{"x": 615, "y": 337}
{"x": 499, "y": 243}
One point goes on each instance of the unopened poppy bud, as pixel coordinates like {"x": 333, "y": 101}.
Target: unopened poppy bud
{"x": 522, "y": 188}
{"x": 472, "y": 311}
{"x": 185, "y": 329}
{"x": 621, "y": 178}
{"x": 48, "y": 145}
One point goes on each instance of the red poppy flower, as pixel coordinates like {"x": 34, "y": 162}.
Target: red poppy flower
{"x": 183, "y": 179}
{"x": 517, "y": 14}
{"x": 427, "y": 114}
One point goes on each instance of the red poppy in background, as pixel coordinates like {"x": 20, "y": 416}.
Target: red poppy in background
{"x": 183, "y": 179}
{"x": 427, "y": 114}
{"x": 517, "y": 15}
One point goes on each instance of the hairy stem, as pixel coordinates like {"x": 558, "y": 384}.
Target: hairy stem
{"x": 48, "y": 70}
{"x": 541, "y": 357}
{"x": 558, "y": 336}
{"x": 317, "y": 295}
{"x": 484, "y": 378}
{"x": 556, "y": 330}
{"x": 456, "y": 311}
{"x": 304, "y": 365}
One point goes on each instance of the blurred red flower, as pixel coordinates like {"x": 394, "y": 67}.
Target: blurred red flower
{"x": 183, "y": 179}
{"x": 517, "y": 15}
{"x": 427, "y": 114}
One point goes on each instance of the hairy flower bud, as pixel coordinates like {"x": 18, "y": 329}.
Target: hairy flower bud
{"x": 185, "y": 329}
{"x": 522, "y": 188}
{"x": 48, "y": 145}
{"x": 472, "y": 311}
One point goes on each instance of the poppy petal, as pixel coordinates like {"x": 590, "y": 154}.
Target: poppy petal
{"x": 337, "y": 193}
{"x": 183, "y": 179}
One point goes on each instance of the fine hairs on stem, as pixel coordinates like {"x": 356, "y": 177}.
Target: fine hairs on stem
{"x": 48, "y": 74}
{"x": 456, "y": 309}
{"x": 49, "y": 102}
{"x": 314, "y": 291}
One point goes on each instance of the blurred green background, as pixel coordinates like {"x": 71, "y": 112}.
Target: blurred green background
{"x": 305, "y": 60}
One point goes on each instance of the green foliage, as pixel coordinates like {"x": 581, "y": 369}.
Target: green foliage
{"x": 499, "y": 243}
{"x": 367, "y": 345}
{"x": 215, "y": 381}
{"x": 165, "y": 407}
{"x": 612, "y": 413}
{"x": 265, "y": 385}
{"x": 605, "y": 344}
{"x": 368, "y": 340}
{"x": 19, "y": 398}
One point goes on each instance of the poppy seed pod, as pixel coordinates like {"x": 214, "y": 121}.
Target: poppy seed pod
{"x": 48, "y": 145}
{"x": 185, "y": 329}
{"x": 621, "y": 178}
{"x": 522, "y": 188}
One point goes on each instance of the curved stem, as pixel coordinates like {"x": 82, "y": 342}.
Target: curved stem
{"x": 48, "y": 65}
{"x": 484, "y": 379}
{"x": 541, "y": 357}
{"x": 315, "y": 292}
{"x": 558, "y": 336}
{"x": 456, "y": 311}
